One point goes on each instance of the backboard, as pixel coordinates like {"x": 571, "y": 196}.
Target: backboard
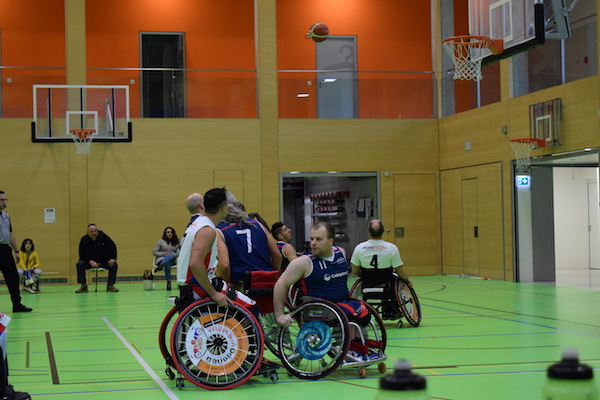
{"x": 59, "y": 108}
{"x": 522, "y": 24}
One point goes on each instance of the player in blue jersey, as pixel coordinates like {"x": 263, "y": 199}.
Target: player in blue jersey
{"x": 250, "y": 247}
{"x": 323, "y": 274}
{"x": 283, "y": 236}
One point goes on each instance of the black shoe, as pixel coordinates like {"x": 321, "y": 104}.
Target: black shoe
{"x": 111, "y": 288}
{"x": 12, "y": 395}
{"x": 21, "y": 308}
{"x": 168, "y": 285}
{"x": 82, "y": 289}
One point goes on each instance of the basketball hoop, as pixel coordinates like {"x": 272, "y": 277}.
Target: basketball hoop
{"x": 522, "y": 148}
{"x": 468, "y": 51}
{"x": 83, "y": 138}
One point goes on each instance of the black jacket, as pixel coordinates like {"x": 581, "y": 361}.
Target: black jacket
{"x": 100, "y": 250}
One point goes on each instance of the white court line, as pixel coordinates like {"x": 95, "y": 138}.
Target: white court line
{"x": 143, "y": 363}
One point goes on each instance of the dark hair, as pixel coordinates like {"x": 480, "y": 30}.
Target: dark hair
{"x": 330, "y": 229}
{"x": 24, "y": 242}
{"x": 276, "y": 228}
{"x": 214, "y": 199}
{"x": 256, "y": 216}
{"x": 1, "y": 191}
{"x": 174, "y": 240}
{"x": 374, "y": 230}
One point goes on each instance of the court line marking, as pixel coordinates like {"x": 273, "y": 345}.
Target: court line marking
{"x": 143, "y": 363}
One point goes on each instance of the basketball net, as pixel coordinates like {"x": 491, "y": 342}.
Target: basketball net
{"x": 467, "y": 52}
{"x": 83, "y": 138}
{"x": 522, "y": 149}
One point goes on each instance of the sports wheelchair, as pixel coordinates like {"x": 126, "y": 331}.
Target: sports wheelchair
{"x": 319, "y": 341}
{"x": 388, "y": 294}
{"x": 211, "y": 346}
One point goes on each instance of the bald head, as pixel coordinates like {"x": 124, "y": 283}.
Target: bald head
{"x": 195, "y": 203}
{"x": 376, "y": 229}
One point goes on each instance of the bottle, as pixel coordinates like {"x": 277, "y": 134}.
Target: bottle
{"x": 570, "y": 380}
{"x": 402, "y": 384}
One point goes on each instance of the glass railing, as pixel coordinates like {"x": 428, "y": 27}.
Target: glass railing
{"x": 184, "y": 93}
{"x": 356, "y": 94}
{"x": 16, "y": 88}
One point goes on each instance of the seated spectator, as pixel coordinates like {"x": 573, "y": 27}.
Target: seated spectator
{"x": 29, "y": 266}
{"x": 97, "y": 250}
{"x": 166, "y": 252}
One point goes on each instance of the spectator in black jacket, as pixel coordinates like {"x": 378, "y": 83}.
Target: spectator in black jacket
{"x": 97, "y": 250}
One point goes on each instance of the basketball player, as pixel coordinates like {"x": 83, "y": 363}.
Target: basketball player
{"x": 283, "y": 236}
{"x": 323, "y": 274}
{"x": 250, "y": 246}
{"x": 198, "y": 254}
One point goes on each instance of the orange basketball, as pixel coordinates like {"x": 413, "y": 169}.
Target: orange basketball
{"x": 318, "y": 32}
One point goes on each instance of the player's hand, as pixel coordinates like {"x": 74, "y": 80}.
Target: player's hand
{"x": 221, "y": 299}
{"x": 284, "y": 320}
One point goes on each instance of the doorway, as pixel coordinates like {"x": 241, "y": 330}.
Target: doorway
{"x": 163, "y": 87}
{"x": 563, "y": 210}
{"x": 337, "y": 83}
{"x": 348, "y": 200}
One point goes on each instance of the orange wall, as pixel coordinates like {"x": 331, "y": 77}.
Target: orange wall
{"x": 32, "y": 35}
{"x": 219, "y": 36}
{"x": 392, "y": 35}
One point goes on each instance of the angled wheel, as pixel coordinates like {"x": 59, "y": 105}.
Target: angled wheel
{"x": 408, "y": 302}
{"x": 317, "y": 341}
{"x": 216, "y": 347}
{"x": 376, "y": 329}
{"x": 163, "y": 335}
{"x": 356, "y": 290}
{"x": 271, "y": 332}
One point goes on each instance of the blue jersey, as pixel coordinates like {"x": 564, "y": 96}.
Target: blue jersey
{"x": 248, "y": 248}
{"x": 328, "y": 279}
{"x": 284, "y": 261}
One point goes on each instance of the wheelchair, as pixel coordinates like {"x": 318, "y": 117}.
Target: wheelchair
{"x": 211, "y": 346}
{"x": 319, "y": 341}
{"x": 388, "y": 294}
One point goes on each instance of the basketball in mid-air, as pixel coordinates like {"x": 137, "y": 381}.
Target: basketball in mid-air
{"x": 318, "y": 32}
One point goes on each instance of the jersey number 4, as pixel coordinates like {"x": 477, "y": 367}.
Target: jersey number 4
{"x": 373, "y": 262}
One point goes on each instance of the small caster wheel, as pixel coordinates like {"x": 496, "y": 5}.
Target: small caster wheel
{"x": 399, "y": 324}
{"x": 381, "y": 367}
{"x": 362, "y": 372}
{"x": 180, "y": 383}
{"x": 170, "y": 373}
{"x": 274, "y": 376}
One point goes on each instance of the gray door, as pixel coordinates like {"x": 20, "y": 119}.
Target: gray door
{"x": 337, "y": 86}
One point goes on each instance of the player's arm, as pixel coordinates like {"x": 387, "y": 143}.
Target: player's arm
{"x": 203, "y": 242}
{"x": 355, "y": 269}
{"x": 292, "y": 274}
{"x": 224, "y": 265}
{"x": 274, "y": 253}
{"x": 289, "y": 252}
{"x": 403, "y": 275}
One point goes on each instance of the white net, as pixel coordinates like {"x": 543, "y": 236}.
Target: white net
{"x": 83, "y": 138}
{"x": 522, "y": 150}
{"x": 467, "y": 52}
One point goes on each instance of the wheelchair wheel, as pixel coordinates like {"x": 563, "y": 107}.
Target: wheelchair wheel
{"x": 356, "y": 290}
{"x": 408, "y": 302}
{"x": 376, "y": 330}
{"x": 216, "y": 347}
{"x": 317, "y": 341}
{"x": 270, "y": 332}
{"x": 162, "y": 341}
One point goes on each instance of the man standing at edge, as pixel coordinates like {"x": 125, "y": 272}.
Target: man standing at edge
{"x": 7, "y": 260}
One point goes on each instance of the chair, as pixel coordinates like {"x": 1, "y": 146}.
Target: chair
{"x": 155, "y": 267}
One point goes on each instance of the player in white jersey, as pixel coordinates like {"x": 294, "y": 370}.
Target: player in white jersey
{"x": 197, "y": 262}
{"x": 376, "y": 253}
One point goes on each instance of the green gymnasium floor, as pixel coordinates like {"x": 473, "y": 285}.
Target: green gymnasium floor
{"x": 479, "y": 339}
